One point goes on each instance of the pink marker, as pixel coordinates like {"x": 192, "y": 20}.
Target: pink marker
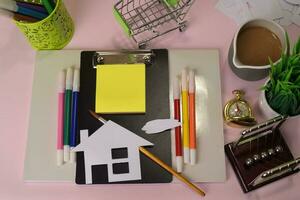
{"x": 60, "y": 117}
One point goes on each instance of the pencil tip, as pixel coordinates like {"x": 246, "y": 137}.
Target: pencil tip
{"x": 93, "y": 114}
{"x": 97, "y": 116}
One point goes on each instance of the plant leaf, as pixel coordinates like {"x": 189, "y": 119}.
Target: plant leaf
{"x": 287, "y": 40}
{"x": 283, "y": 89}
{"x": 288, "y": 75}
{"x": 296, "y": 49}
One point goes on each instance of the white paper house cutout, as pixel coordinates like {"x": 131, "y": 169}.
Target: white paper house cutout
{"x": 98, "y": 151}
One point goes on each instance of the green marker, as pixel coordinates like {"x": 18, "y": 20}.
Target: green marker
{"x": 67, "y": 113}
{"x": 48, "y": 5}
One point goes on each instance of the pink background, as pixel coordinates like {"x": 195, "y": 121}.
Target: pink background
{"x": 96, "y": 28}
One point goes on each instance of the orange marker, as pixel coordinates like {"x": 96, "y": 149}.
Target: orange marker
{"x": 192, "y": 118}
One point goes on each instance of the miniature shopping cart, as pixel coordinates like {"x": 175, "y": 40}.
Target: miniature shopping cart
{"x": 144, "y": 20}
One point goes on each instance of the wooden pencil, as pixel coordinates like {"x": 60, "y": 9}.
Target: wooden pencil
{"x": 160, "y": 162}
{"x": 171, "y": 170}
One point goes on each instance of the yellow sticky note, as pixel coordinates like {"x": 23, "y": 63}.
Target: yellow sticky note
{"x": 121, "y": 88}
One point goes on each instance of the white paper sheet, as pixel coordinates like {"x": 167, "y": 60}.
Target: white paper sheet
{"x": 235, "y": 9}
{"x": 269, "y": 9}
{"x": 284, "y": 12}
{"x": 294, "y": 1}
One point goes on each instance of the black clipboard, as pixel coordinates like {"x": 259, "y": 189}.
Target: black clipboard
{"x": 157, "y": 107}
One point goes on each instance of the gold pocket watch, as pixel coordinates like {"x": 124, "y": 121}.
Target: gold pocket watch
{"x": 237, "y": 111}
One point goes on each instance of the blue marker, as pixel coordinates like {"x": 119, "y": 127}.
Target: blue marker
{"x": 74, "y": 111}
{"x": 32, "y": 6}
{"x": 12, "y": 6}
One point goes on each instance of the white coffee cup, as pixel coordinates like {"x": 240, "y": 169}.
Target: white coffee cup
{"x": 256, "y": 72}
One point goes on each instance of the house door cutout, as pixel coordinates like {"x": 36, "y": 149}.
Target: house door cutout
{"x": 99, "y": 174}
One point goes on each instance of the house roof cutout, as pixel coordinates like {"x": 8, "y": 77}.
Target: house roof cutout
{"x": 110, "y": 135}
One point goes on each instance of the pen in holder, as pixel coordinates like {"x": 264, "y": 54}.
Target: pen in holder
{"x": 53, "y": 32}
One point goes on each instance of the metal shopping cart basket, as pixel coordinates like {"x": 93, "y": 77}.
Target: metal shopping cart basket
{"x": 144, "y": 20}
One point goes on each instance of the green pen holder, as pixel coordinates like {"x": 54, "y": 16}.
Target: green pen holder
{"x": 53, "y": 32}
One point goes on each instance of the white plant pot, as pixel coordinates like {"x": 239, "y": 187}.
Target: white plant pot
{"x": 264, "y": 106}
{"x": 266, "y": 109}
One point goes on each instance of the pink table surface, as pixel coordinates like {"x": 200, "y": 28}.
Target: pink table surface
{"x": 96, "y": 28}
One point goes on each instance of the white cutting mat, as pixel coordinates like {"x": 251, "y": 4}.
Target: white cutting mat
{"x": 210, "y": 165}
{"x": 40, "y": 160}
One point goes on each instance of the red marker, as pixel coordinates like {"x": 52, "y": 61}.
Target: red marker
{"x": 178, "y": 145}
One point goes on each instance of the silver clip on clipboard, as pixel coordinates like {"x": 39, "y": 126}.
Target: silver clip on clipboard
{"x": 123, "y": 57}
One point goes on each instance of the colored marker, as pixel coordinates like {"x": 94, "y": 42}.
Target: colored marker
{"x": 17, "y": 16}
{"x": 32, "y": 7}
{"x": 24, "y": 18}
{"x": 178, "y": 145}
{"x": 12, "y": 6}
{"x": 60, "y": 117}
{"x": 74, "y": 114}
{"x": 192, "y": 118}
{"x": 67, "y": 113}
{"x": 185, "y": 117}
{"x": 48, "y": 5}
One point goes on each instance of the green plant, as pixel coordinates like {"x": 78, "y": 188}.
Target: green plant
{"x": 283, "y": 89}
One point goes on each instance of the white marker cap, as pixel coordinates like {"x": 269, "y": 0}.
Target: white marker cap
{"x": 186, "y": 155}
{"x": 184, "y": 80}
{"x": 193, "y": 156}
{"x": 72, "y": 156}
{"x": 179, "y": 163}
{"x": 60, "y": 157}
{"x": 62, "y": 81}
{"x": 66, "y": 153}
{"x": 69, "y": 78}
{"x": 192, "y": 81}
{"x": 76, "y": 82}
{"x": 176, "y": 90}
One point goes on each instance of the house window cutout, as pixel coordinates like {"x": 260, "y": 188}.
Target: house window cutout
{"x": 119, "y": 153}
{"x": 120, "y": 168}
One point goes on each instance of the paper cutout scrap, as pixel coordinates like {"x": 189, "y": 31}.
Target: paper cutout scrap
{"x": 103, "y": 143}
{"x": 293, "y": 1}
{"x": 121, "y": 88}
{"x": 160, "y": 125}
{"x": 283, "y": 12}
